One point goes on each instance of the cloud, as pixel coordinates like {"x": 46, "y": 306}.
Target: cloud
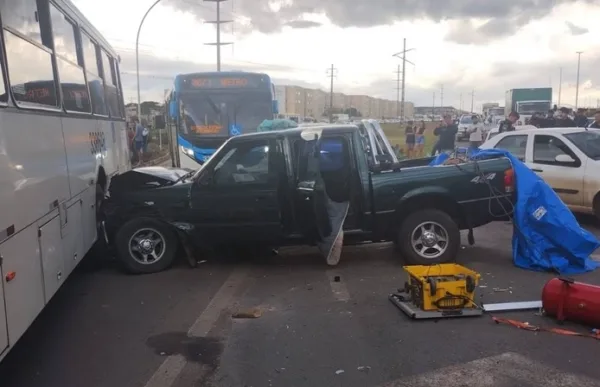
{"x": 303, "y": 24}
{"x": 503, "y": 76}
{"x": 269, "y": 16}
{"x": 576, "y": 30}
{"x": 157, "y": 74}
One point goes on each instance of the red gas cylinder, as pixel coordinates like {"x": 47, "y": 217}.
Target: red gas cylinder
{"x": 566, "y": 299}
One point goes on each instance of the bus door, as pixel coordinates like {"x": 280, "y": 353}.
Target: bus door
{"x": 171, "y": 127}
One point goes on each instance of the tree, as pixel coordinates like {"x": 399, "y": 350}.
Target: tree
{"x": 352, "y": 112}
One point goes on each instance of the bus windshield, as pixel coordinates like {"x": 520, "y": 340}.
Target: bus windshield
{"x": 223, "y": 113}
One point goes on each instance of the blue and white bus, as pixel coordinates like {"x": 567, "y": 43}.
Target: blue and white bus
{"x": 205, "y": 109}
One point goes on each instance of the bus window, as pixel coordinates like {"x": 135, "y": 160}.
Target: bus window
{"x": 95, "y": 83}
{"x": 110, "y": 86}
{"x": 21, "y": 16}
{"x": 75, "y": 93}
{"x": 30, "y": 71}
{"x": 117, "y": 78}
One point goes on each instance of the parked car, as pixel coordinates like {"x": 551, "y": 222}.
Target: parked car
{"x": 265, "y": 189}
{"x": 568, "y": 159}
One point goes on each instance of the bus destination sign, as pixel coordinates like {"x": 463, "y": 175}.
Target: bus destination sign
{"x": 220, "y": 82}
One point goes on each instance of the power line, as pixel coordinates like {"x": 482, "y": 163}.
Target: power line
{"x": 402, "y": 55}
{"x": 331, "y": 72}
{"x": 398, "y": 79}
{"x": 218, "y": 23}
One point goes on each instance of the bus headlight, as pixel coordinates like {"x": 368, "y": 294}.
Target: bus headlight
{"x": 189, "y": 152}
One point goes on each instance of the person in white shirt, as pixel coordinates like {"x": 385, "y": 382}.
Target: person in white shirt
{"x": 475, "y": 133}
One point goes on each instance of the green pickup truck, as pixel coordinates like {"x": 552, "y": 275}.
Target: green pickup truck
{"x": 271, "y": 189}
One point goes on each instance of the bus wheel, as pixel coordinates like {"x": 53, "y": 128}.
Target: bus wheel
{"x": 146, "y": 245}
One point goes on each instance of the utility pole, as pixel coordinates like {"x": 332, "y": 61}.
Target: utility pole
{"x": 577, "y": 87}
{"x": 442, "y": 98}
{"x": 402, "y": 55}
{"x": 433, "y": 108}
{"x": 559, "y": 85}
{"x": 331, "y": 71}
{"x": 461, "y": 102}
{"x": 472, "y": 99}
{"x": 218, "y": 23}
{"x": 398, "y": 88}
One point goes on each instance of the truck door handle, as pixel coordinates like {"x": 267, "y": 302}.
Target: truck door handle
{"x": 537, "y": 170}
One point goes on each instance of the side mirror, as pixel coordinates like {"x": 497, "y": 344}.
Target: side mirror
{"x": 173, "y": 111}
{"x": 384, "y": 159}
{"x": 275, "y": 107}
{"x": 564, "y": 158}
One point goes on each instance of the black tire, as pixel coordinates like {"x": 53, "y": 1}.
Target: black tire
{"x": 131, "y": 260}
{"x": 431, "y": 216}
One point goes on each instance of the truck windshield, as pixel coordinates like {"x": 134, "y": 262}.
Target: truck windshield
{"x": 533, "y": 107}
{"x": 223, "y": 113}
{"x": 466, "y": 120}
{"x": 588, "y": 142}
{"x": 497, "y": 112}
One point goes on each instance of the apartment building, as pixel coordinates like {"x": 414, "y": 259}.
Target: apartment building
{"x": 296, "y": 100}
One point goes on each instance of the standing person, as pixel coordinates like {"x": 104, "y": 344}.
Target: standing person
{"x": 580, "y": 119}
{"x": 563, "y": 120}
{"x": 409, "y": 139}
{"x": 146, "y": 134}
{"x": 138, "y": 139}
{"x": 420, "y": 140}
{"x": 508, "y": 125}
{"x": 476, "y": 134}
{"x": 596, "y": 123}
{"x": 446, "y": 135}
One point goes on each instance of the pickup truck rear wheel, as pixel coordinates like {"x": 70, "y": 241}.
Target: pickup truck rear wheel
{"x": 146, "y": 245}
{"x": 429, "y": 237}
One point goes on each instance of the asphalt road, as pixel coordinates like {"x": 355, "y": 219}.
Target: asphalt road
{"x": 107, "y": 329}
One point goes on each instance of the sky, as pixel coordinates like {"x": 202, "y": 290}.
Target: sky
{"x": 465, "y": 50}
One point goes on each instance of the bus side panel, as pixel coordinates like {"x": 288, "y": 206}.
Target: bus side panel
{"x": 80, "y": 144}
{"x": 122, "y": 146}
{"x": 33, "y": 169}
{"x": 73, "y": 237}
{"x": 24, "y": 294}
{"x": 3, "y": 332}
{"x": 51, "y": 250}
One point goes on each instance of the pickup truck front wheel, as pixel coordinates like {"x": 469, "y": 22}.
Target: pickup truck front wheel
{"x": 146, "y": 245}
{"x": 428, "y": 237}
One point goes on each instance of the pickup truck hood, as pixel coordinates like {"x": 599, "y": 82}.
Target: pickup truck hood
{"x": 145, "y": 178}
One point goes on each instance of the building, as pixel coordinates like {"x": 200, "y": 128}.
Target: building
{"x": 303, "y": 102}
{"x": 437, "y": 110}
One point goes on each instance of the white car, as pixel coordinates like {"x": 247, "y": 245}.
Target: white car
{"x": 568, "y": 159}
{"x": 496, "y": 130}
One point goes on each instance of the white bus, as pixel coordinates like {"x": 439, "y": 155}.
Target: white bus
{"x": 62, "y": 137}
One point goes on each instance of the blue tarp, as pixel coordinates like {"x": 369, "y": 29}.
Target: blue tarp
{"x": 546, "y": 235}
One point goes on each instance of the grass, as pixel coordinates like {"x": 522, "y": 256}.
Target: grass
{"x": 395, "y": 133}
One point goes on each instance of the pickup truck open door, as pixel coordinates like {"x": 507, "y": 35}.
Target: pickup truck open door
{"x": 320, "y": 218}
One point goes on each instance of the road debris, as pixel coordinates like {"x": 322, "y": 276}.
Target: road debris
{"x": 364, "y": 369}
{"x": 339, "y": 372}
{"x": 250, "y": 313}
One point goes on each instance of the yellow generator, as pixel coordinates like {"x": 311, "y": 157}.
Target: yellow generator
{"x": 437, "y": 291}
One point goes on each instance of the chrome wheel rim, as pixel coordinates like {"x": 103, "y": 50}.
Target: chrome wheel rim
{"x": 429, "y": 240}
{"x": 147, "y": 246}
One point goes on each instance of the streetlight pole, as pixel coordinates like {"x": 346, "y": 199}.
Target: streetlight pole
{"x": 577, "y": 88}
{"x": 137, "y": 58}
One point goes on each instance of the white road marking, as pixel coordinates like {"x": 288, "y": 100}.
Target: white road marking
{"x": 507, "y": 369}
{"x": 169, "y": 370}
{"x": 339, "y": 289}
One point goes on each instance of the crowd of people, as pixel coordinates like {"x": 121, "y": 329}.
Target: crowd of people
{"x": 564, "y": 118}
{"x": 138, "y": 141}
{"x": 446, "y": 131}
